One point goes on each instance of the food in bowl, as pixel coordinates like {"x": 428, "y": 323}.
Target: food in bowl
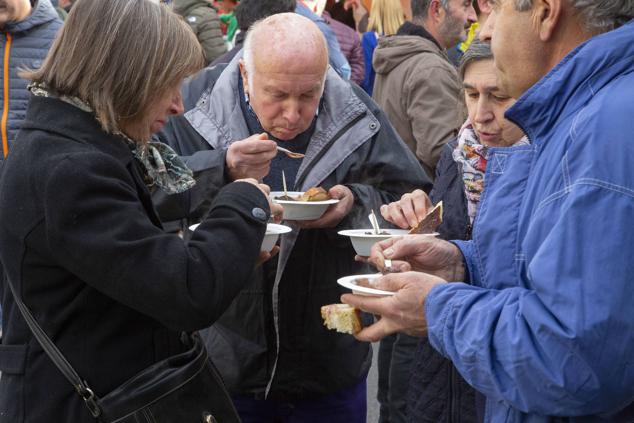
{"x": 301, "y": 210}
{"x": 312, "y": 194}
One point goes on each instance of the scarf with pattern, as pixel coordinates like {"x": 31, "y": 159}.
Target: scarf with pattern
{"x": 162, "y": 166}
{"x": 473, "y": 155}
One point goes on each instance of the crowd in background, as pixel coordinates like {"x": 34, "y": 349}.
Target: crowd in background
{"x": 512, "y": 113}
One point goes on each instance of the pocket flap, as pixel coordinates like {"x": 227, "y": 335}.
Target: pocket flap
{"x": 13, "y": 359}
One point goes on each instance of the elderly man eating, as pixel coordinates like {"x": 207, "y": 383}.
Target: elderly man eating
{"x": 544, "y": 325}
{"x": 280, "y": 363}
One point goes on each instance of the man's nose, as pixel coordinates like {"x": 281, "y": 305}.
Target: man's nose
{"x": 483, "y": 111}
{"x": 292, "y": 113}
{"x": 487, "y": 29}
{"x": 471, "y": 14}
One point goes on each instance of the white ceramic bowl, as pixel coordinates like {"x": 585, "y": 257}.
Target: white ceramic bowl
{"x": 301, "y": 210}
{"x": 364, "y": 239}
{"x": 351, "y": 282}
{"x": 273, "y": 232}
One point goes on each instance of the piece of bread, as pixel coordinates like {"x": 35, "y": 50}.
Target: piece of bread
{"x": 315, "y": 194}
{"x": 430, "y": 223}
{"x": 341, "y": 317}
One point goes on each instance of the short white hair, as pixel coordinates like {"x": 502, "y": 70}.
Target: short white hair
{"x": 280, "y": 28}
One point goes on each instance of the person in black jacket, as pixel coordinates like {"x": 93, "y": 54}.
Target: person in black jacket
{"x": 82, "y": 244}
{"x": 437, "y": 392}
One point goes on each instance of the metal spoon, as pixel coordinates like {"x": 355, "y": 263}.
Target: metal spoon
{"x": 290, "y": 154}
{"x": 374, "y": 222}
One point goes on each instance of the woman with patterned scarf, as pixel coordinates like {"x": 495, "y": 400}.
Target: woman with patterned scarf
{"x": 436, "y": 391}
{"x": 82, "y": 245}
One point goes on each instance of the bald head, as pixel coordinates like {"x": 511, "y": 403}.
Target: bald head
{"x": 285, "y": 42}
{"x": 283, "y": 73}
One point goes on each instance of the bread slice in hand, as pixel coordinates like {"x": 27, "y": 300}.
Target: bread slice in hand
{"x": 430, "y": 223}
{"x": 342, "y": 318}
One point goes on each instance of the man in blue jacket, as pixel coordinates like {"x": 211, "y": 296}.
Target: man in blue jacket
{"x": 544, "y": 325}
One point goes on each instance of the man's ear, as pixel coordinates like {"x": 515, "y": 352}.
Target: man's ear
{"x": 245, "y": 79}
{"x": 436, "y": 12}
{"x": 547, "y": 15}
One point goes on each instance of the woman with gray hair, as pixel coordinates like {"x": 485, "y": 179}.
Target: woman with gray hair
{"x": 82, "y": 246}
{"x": 437, "y": 392}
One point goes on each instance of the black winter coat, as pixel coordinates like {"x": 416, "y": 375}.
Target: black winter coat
{"x": 83, "y": 246}
{"x": 437, "y": 393}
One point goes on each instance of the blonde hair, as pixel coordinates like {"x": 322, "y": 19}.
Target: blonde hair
{"x": 386, "y": 17}
{"x": 119, "y": 56}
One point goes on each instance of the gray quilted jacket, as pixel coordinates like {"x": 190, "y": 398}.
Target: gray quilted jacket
{"x": 204, "y": 21}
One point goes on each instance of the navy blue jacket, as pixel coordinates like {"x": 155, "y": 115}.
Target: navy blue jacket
{"x": 27, "y": 43}
{"x": 437, "y": 392}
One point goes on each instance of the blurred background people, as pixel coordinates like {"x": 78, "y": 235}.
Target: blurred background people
{"x": 416, "y": 85}
{"x": 203, "y": 20}
{"x": 386, "y": 17}
{"x": 28, "y": 34}
{"x": 349, "y": 42}
{"x": 66, "y": 4}
{"x": 482, "y": 9}
{"x": 247, "y": 13}
{"x": 336, "y": 58}
{"x": 61, "y": 12}
{"x": 228, "y": 21}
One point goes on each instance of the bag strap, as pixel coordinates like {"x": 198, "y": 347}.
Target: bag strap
{"x": 57, "y": 357}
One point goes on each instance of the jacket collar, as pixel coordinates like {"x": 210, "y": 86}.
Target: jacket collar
{"x": 218, "y": 118}
{"x": 44, "y": 114}
{"x": 574, "y": 81}
{"x": 409, "y": 28}
{"x": 42, "y": 13}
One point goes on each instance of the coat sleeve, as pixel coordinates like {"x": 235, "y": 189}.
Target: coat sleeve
{"x": 434, "y": 108}
{"x": 563, "y": 343}
{"x": 98, "y": 229}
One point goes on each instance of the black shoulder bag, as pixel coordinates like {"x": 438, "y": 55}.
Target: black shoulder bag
{"x": 184, "y": 388}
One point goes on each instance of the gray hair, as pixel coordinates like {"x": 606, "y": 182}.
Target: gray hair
{"x": 599, "y": 16}
{"x": 420, "y": 8}
{"x": 476, "y": 52}
{"x": 101, "y": 57}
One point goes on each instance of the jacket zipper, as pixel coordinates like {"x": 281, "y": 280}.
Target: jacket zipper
{"x": 298, "y": 183}
{"x": 5, "y": 105}
{"x": 323, "y": 151}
